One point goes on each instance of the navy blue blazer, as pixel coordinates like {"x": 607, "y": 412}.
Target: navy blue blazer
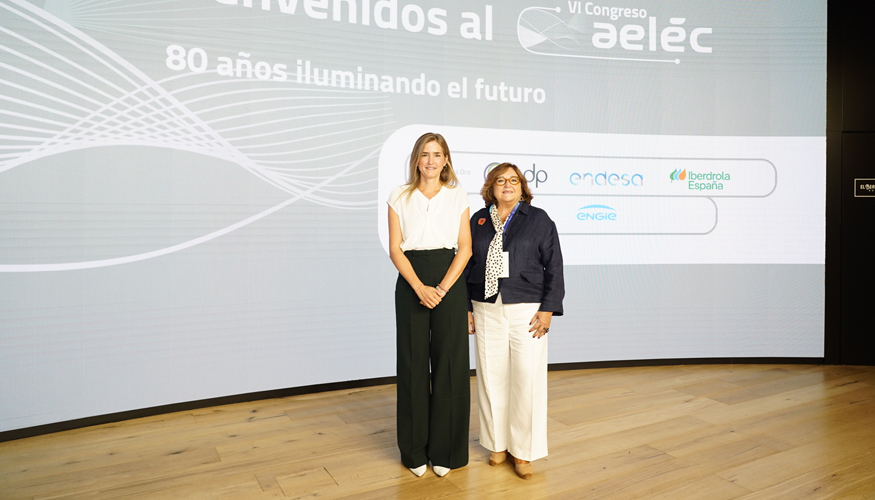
{"x": 535, "y": 260}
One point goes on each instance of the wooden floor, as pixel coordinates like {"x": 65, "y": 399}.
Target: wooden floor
{"x": 713, "y": 432}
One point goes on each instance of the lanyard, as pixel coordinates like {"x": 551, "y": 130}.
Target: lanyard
{"x": 509, "y": 217}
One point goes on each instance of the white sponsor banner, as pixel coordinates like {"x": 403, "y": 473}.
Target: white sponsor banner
{"x": 633, "y": 176}
{"x": 637, "y": 199}
{"x": 639, "y": 215}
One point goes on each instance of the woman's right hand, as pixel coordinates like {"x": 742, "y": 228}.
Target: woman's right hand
{"x": 470, "y": 323}
{"x": 429, "y": 296}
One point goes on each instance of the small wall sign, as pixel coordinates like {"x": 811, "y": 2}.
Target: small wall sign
{"x": 864, "y": 188}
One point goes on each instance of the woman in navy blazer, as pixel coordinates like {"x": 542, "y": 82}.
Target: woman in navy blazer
{"x": 515, "y": 287}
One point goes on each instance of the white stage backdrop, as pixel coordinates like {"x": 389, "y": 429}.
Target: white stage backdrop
{"x": 192, "y": 192}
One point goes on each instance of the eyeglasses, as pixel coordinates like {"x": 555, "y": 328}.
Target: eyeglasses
{"x": 499, "y": 181}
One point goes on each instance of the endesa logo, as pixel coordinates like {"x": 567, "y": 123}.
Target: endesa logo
{"x": 606, "y": 179}
{"x": 598, "y": 213}
{"x": 533, "y": 175}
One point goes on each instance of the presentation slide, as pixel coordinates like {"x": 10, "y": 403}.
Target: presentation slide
{"x": 193, "y": 192}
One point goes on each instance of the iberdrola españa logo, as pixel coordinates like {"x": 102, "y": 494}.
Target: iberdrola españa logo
{"x": 678, "y": 175}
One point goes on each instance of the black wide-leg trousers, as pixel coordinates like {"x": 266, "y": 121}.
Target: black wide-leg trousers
{"x": 434, "y": 405}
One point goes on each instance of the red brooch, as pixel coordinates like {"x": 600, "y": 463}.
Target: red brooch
{"x": 481, "y": 221}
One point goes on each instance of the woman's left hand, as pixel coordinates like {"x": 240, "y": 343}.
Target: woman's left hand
{"x": 540, "y": 323}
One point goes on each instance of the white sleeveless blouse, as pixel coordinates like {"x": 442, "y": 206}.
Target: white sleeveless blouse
{"x": 429, "y": 224}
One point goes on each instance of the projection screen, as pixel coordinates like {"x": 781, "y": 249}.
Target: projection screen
{"x": 193, "y": 191}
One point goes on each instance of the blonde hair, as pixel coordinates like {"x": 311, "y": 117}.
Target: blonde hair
{"x": 448, "y": 175}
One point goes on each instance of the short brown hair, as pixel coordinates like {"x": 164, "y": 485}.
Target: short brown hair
{"x": 486, "y": 191}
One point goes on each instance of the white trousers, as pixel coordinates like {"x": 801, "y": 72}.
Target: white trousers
{"x": 511, "y": 380}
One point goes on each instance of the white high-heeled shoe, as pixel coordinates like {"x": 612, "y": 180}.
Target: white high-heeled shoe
{"x": 419, "y": 471}
{"x": 440, "y": 471}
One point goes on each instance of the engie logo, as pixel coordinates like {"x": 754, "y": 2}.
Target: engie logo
{"x": 533, "y": 175}
{"x": 596, "y": 213}
{"x": 626, "y": 32}
{"x": 678, "y": 175}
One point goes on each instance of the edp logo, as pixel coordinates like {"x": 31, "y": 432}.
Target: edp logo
{"x": 535, "y": 176}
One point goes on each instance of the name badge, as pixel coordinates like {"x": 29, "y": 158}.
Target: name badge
{"x": 505, "y": 265}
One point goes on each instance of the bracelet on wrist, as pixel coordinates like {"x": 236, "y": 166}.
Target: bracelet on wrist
{"x": 439, "y": 287}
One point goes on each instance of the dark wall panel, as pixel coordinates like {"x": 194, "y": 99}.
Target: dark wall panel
{"x": 850, "y": 221}
{"x": 858, "y": 250}
{"x": 858, "y": 67}
{"x": 832, "y": 283}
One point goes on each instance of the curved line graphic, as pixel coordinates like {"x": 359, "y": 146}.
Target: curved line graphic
{"x": 99, "y": 99}
{"x": 136, "y": 110}
{"x": 30, "y": 268}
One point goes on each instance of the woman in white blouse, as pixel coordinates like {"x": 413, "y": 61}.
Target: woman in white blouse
{"x": 430, "y": 244}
